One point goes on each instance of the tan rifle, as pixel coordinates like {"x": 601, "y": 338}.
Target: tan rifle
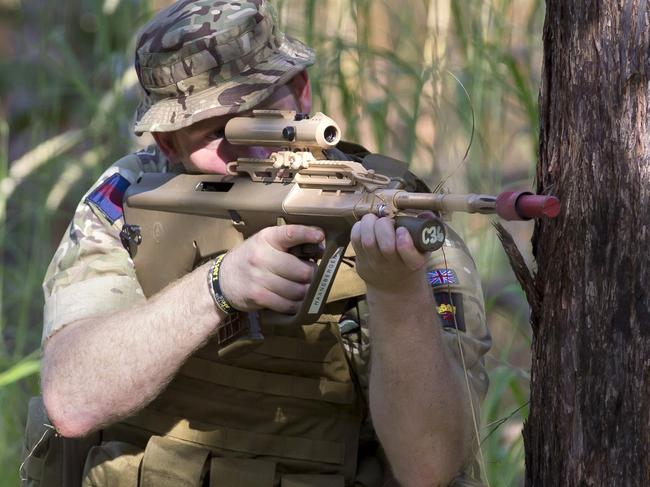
{"x": 174, "y": 222}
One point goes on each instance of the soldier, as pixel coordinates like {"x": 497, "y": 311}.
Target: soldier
{"x": 139, "y": 380}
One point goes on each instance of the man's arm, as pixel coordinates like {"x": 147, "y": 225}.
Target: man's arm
{"x": 418, "y": 398}
{"x": 98, "y": 370}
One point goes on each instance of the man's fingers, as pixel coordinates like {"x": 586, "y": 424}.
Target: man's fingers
{"x": 284, "y": 237}
{"x": 386, "y": 256}
{"x": 355, "y": 237}
{"x": 263, "y": 298}
{"x": 411, "y": 256}
{"x": 290, "y": 267}
{"x": 368, "y": 237}
{"x": 292, "y": 291}
{"x": 385, "y": 236}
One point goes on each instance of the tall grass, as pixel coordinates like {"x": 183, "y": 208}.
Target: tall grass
{"x": 413, "y": 79}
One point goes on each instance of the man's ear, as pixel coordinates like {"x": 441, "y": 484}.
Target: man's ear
{"x": 167, "y": 143}
{"x": 302, "y": 89}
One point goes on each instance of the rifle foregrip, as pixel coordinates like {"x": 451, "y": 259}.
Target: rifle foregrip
{"x": 428, "y": 233}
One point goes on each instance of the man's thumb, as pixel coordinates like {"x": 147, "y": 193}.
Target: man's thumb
{"x": 284, "y": 237}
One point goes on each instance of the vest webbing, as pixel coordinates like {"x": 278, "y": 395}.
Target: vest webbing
{"x": 269, "y": 383}
{"x": 291, "y": 402}
{"x": 237, "y": 440}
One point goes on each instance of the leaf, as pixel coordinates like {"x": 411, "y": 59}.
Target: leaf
{"x": 19, "y": 371}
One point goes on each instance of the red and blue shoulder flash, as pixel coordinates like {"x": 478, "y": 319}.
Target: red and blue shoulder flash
{"x": 108, "y": 196}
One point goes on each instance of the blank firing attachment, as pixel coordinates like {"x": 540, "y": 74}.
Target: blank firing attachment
{"x": 523, "y": 205}
{"x": 509, "y": 205}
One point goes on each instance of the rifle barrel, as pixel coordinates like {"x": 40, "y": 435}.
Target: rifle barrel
{"x": 468, "y": 203}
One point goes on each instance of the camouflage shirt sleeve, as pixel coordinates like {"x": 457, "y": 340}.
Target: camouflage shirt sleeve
{"x": 91, "y": 274}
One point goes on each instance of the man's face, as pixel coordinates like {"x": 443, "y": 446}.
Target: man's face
{"x": 202, "y": 148}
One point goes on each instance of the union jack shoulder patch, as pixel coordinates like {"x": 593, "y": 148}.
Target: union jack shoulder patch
{"x": 442, "y": 277}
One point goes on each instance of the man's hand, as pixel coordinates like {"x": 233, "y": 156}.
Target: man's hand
{"x": 260, "y": 273}
{"x": 386, "y": 257}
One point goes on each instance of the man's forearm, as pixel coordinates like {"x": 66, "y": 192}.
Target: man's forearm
{"x": 418, "y": 399}
{"x": 99, "y": 370}
{"x": 102, "y": 369}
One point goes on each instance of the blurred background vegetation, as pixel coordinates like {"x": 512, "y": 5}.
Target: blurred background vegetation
{"x": 410, "y": 78}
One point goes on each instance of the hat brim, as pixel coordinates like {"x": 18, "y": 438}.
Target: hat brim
{"x": 239, "y": 94}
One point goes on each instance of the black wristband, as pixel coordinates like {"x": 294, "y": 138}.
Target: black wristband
{"x": 215, "y": 289}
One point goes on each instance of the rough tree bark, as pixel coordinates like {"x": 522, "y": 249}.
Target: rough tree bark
{"x": 589, "y": 418}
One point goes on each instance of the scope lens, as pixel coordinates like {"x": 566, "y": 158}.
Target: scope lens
{"x": 331, "y": 133}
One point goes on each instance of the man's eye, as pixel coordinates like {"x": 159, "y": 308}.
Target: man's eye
{"x": 217, "y": 134}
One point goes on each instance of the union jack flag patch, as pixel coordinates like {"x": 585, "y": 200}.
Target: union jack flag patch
{"x": 441, "y": 277}
{"x": 108, "y": 196}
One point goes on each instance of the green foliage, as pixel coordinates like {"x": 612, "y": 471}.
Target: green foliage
{"x": 415, "y": 79}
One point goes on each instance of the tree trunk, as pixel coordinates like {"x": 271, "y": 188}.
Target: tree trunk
{"x": 589, "y": 418}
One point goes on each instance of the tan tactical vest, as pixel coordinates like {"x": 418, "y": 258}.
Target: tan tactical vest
{"x": 288, "y": 408}
{"x": 286, "y": 414}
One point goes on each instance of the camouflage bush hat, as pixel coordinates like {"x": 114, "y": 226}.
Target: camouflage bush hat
{"x": 205, "y": 58}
